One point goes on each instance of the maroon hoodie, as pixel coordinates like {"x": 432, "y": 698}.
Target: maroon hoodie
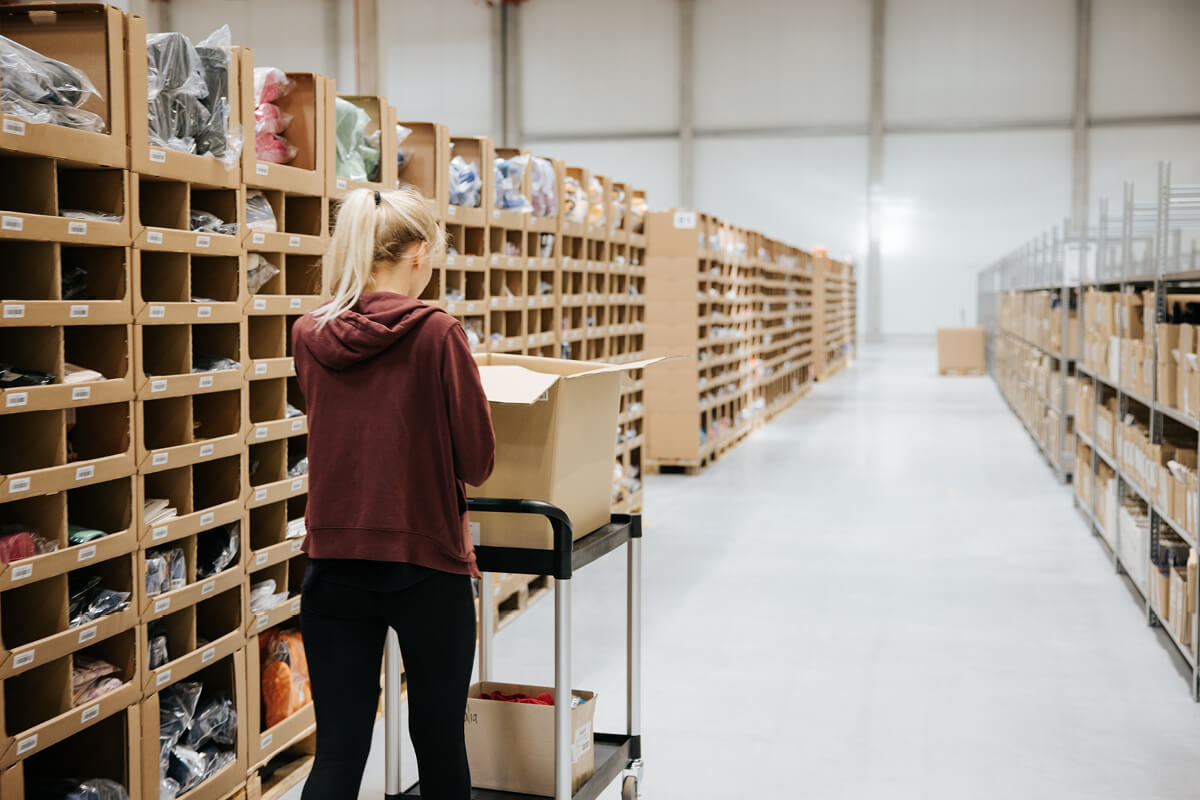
{"x": 397, "y": 421}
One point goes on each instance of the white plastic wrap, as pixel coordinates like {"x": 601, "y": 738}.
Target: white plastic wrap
{"x": 465, "y": 182}
{"x": 509, "y": 174}
{"x": 575, "y": 201}
{"x": 545, "y": 188}
{"x": 42, "y": 90}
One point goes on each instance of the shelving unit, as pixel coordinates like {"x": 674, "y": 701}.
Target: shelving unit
{"x": 834, "y": 314}
{"x": 1131, "y": 366}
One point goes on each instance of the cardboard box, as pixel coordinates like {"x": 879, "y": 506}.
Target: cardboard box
{"x": 178, "y": 431}
{"x": 36, "y": 190}
{"x": 198, "y": 635}
{"x": 90, "y": 37}
{"x": 32, "y": 295}
{"x": 554, "y": 422}
{"x": 163, "y": 358}
{"x": 1167, "y": 389}
{"x": 383, "y": 120}
{"x": 511, "y": 745}
{"x": 427, "y": 162}
{"x": 306, "y": 102}
{"x": 40, "y": 438}
{"x": 302, "y": 224}
{"x": 265, "y": 743}
{"x": 962, "y": 349}
{"x": 161, "y": 218}
{"x": 166, "y": 283}
{"x": 108, "y": 349}
{"x": 479, "y": 151}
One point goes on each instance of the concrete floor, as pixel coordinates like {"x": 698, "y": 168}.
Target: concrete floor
{"x": 884, "y": 594}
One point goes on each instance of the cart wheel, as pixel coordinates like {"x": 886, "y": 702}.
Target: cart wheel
{"x": 629, "y": 789}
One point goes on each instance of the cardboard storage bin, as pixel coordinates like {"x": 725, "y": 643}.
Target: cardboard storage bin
{"x": 426, "y": 163}
{"x": 962, "y": 349}
{"x": 53, "y": 450}
{"x": 306, "y": 173}
{"x": 383, "y": 120}
{"x": 510, "y": 746}
{"x": 37, "y": 190}
{"x": 265, "y": 741}
{"x": 196, "y": 636}
{"x": 107, "y": 349}
{"x": 164, "y": 358}
{"x": 302, "y": 223}
{"x": 162, "y": 215}
{"x": 89, "y": 37}
{"x": 475, "y": 150}
{"x": 175, "y": 287}
{"x": 205, "y": 495}
{"x": 32, "y": 295}
{"x": 289, "y": 577}
{"x": 554, "y": 422}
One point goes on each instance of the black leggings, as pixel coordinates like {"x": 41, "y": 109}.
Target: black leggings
{"x": 344, "y": 629}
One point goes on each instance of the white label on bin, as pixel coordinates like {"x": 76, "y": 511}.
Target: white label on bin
{"x": 11, "y": 223}
{"x": 207, "y": 587}
{"x": 158, "y": 312}
{"x": 159, "y": 533}
{"x": 266, "y": 740}
{"x": 207, "y": 518}
{"x": 261, "y": 169}
{"x": 203, "y": 241}
{"x": 14, "y": 311}
{"x": 495, "y": 260}
{"x": 294, "y": 241}
{"x": 158, "y": 386}
{"x": 470, "y": 307}
{"x": 154, "y": 237}
{"x": 77, "y": 228}
{"x": 87, "y": 553}
{"x": 260, "y": 433}
{"x": 206, "y": 450}
{"x": 162, "y": 605}
{"x": 451, "y": 211}
{"x": 259, "y": 238}
{"x": 294, "y": 302}
{"x": 208, "y": 655}
{"x": 475, "y": 532}
{"x": 341, "y": 183}
{"x": 26, "y": 744}
{"x": 297, "y": 484}
{"x": 496, "y": 214}
{"x": 87, "y": 635}
{"x": 260, "y": 369}
{"x": 296, "y": 606}
{"x": 14, "y": 126}
{"x": 685, "y": 219}
{"x": 23, "y": 659}
{"x": 260, "y": 559}
{"x": 296, "y": 545}
{"x": 22, "y": 572}
{"x": 78, "y": 312}
{"x": 89, "y": 714}
{"x": 582, "y": 743}
{"x": 159, "y": 459}
{"x": 259, "y": 304}
{"x": 163, "y": 677}
{"x": 204, "y": 312}
{"x": 15, "y": 399}
{"x": 262, "y": 621}
{"x": 18, "y": 485}
{"x": 158, "y": 156}
{"x": 260, "y": 494}
{"x": 470, "y": 261}
{"x": 83, "y": 473}
{"x": 297, "y": 424}
{"x": 206, "y": 381}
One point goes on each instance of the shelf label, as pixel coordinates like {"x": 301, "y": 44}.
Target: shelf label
{"x": 89, "y": 714}
{"x": 262, "y": 623}
{"x": 260, "y": 433}
{"x": 685, "y": 219}
{"x": 23, "y": 659}
{"x": 294, "y": 241}
{"x": 296, "y": 606}
{"x": 16, "y": 399}
{"x": 154, "y": 237}
{"x": 158, "y": 459}
{"x": 22, "y": 572}
{"x": 341, "y": 183}
{"x": 297, "y": 484}
{"x": 470, "y": 261}
{"x": 297, "y": 424}
{"x": 77, "y": 228}
{"x": 266, "y": 740}
{"x": 163, "y": 677}
{"x": 87, "y": 553}
{"x": 206, "y": 450}
{"x": 206, "y": 518}
{"x": 260, "y": 369}
{"x": 495, "y": 214}
{"x": 294, "y": 302}
{"x": 158, "y": 156}
{"x": 14, "y": 311}
{"x": 203, "y": 241}
{"x": 296, "y": 545}
{"x": 27, "y": 744}
{"x": 83, "y": 473}
{"x": 208, "y": 587}
{"x": 11, "y": 223}
{"x": 14, "y": 127}
{"x": 470, "y": 307}
{"x": 208, "y": 655}
{"x": 78, "y": 312}
{"x": 162, "y": 605}
{"x": 259, "y": 304}
{"x": 88, "y": 635}
{"x": 206, "y": 381}
{"x": 158, "y": 312}
{"x": 159, "y": 533}
{"x": 19, "y": 485}
{"x": 158, "y": 386}
{"x": 261, "y": 168}
{"x": 260, "y": 494}
{"x": 452, "y": 211}
{"x": 204, "y": 312}
{"x": 259, "y": 238}
{"x": 260, "y": 559}
{"x": 475, "y": 533}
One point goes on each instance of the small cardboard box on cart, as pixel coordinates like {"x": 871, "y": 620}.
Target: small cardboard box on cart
{"x": 510, "y": 746}
{"x": 962, "y": 349}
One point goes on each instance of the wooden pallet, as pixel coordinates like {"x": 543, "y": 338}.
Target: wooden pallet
{"x": 973, "y": 372}
{"x": 655, "y": 467}
{"x": 532, "y": 589}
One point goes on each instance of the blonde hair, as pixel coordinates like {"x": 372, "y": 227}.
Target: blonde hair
{"x": 373, "y": 228}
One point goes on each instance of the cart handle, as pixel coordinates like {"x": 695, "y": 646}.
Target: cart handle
{"x": 560, "y": 523}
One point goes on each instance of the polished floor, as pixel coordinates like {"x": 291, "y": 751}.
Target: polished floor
{"x": 883, "y": 594}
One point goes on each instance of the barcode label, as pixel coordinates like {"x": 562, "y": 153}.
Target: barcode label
{"x": 78, "y": 312}
{"x": 15, "y": 311}
{"x": 163, "y": 677}
{"x": 158, "y": 386}
{"x": 341, "y": 183}
{"x": 158, "y": 156}
{"x": 14, "y": 127}
{"x": 294, "y": 302}
{"x": 685, "y": 219}
{"x": 89, "y": 714}
{"x": 260, "y": 559}
{"x": 451, "y": 211}
{"x": 204, "y": 312}
{"x": 260, "y": 369}
{"x": 294, "y": 241}
{"x": 206, "y": 450}
{"x": 297, "y": 424}
{"x": 159, "y": 459}
{"x": 11, "y": 223}
{"x": 297, "y": 484}
{"x": 87, "y": 553}
{"x": 83, "y": 473}
{"x": 206, "y": 381}
{"x": 15, "y": 399}
{"x": 262, "y": 623}
{"x": 208, "y": 588}
{"x": 154, "y": 237}
{"x": 296, "y": 606}
{"x": 260, "y": 433}
{"x": 296, "y": 545}
{"x": 261, "y": 169}
{"x": 87, "y": 635}
{"x": 158, "y": 312}
{"x": 77, "y": 228}
{"x": 259, "y": 238}
{"x": 208, "y": 655}
{"x": 18, "y": 485}
{"x": 24, "y": 659}
{"x": 162, "y": 605}
{"x": 26, "y": 744}
{"x": 22, "y": 572}
{"x": 203, "y": 241}
{"x": 470, "y": 261}
{"x": 159, "y": 533}
{"x": 450, "y": 261}
{"x": 260, "y": 494}
{"x": 266, "y": 741}
{"x": 259, "y": 304}
{"x": 206, "y": 519}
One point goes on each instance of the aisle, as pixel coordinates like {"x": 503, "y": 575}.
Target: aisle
{"x": 884, "y": 594}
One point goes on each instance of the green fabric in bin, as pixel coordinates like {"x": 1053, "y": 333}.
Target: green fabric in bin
{"x": 357, "y": 153}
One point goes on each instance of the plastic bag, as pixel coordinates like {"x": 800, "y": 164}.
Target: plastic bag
{"x": 637, "y": 207}
{"x": 509, "y": 174}
{"x": 403, "y": 154}
{"x": 575, "y": 202}
{"x": 205, "y": 222}
{"x": 285, "y": 682}
{"x": 270, "y": 84}
{"x": 75, "y": 789}
{"x": 216, "y": 760}
{"x": 595, "y": 202}
{"x": 176, "y": 568}
{"x": 176, "y": 709}
{"x": 168, "y": 789}
{"x": 261, "y": 595}
{"x": 216, "y": 721}
{"x": 41, "y": 90}
{"x": 545, "y": 188}
{"x": 97, "y": 689}
{"x": 465, "y": 182}
{"x": 616, "y": 206}
{"x": 260, "y": 216}
{"x": 300, "y": 467}
{"x": 269, "y": 118}
{"x": 89, "y": 602}
{"x": 357, "y": 158}
{"x": 274, "y": 148}
{"x": 158, "y": 654}
{"x": 187, "y": 767}
{"x": 217, "y": 550}
{"x": 259, "y": 272}
{"x": 157, "y": 575}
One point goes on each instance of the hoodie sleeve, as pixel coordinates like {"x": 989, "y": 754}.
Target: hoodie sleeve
{"x": 470, "y": 417}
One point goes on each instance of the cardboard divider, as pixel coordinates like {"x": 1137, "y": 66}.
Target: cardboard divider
{"x": 301, "y": 223}
{"x": 165, "y": 356}
{"x": 267, "y": 742}
{"x": 36, "y": 461}
{"x": 87, "y": 36}
{"x": 31, "y": 207}
{"x": 162, "y": 219}
{"x": 426, "y": 166}
{"x": 288, "y": 576}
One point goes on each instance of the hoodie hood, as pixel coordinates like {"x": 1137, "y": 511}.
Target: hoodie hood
{"x": 376, "y": 322}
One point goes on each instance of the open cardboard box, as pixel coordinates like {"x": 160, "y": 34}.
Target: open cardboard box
{"x": 287, "y": 574}
{"x": 197, "y": 636}
{"x": 163, "y": 358}
{"x": 165, "y": 284}
{"x": 510, "y": 746}
{"x": 108, "y": 349}
{"x": 161, "y": 218}
{"x": 554, "y": 421}
{"x": 427, "y": 168}
{"x": 35, "y": 460}
{"x": 285, "y": 777}
{"x": 205, "y": 495}
{"x": 177, "y": 431}
{"x": 147, "y": 159}
{"x": 302, "y": 223}
{"x": 508, "y": 218}
{"x": 297, "y": 289}
{"x": 306, "y": 102}
{"x": 32, "y": 295}
{"x": 479, "y": 151}
{"x": 383, "y": 119}
{"x": 265, "y": 743}
{"x": 90, "y": 37}
{"x": 36, "y": 189}
{"x": 197, "y": 588}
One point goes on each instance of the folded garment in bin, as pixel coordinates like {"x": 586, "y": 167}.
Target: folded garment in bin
{"x": 543, "y": 699}
{"x": 39, "y": 89}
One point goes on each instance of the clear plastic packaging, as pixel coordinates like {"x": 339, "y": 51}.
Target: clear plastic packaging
{"x": 403, "y": 154}
{"x": 269, "y": 118}
{"x": 595, "y": 202}
{"x": 544, "y": 188}
{"x": 509, "y": 174}
{"x": 357, "y": 158}
{"x": 285, "y": 682}
{"x": 75, "y": 789}
{"x": 158, "y": 654}
{"x": 259, "y": 272}
{"x": 42, "y": 90}
{"x": 216, "y": 759}
{"x": 299, "y": 468}
{"x": 176, "y": 575}
{"x": 187, "y": 767}
{"x": 157, "y": 575}
{"x": 274, "y": 148}
{"x": 575, "y": 201}
{"x": 270, "y": 84}
{"x": 637, "y": 207}
{"x": 260, "y": 217}
{"x": 176, "y": 709}
{"x": 168, "y": 789}
{"x": 216, "y": 721}
{"x": 89, "y": 601}
{"x": 616, "y": 207}
{"x": 262, "y": 595}
{"x": 465, "y": 183}
{"x": 92, "y": 216}
{"x": 217, "y": 550}
{"x": 204, "y": 222}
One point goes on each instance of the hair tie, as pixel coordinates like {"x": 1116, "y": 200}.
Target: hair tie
{"x": 377, "y": 198}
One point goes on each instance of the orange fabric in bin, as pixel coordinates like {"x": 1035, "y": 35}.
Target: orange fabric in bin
{"x": 285, "y": 684}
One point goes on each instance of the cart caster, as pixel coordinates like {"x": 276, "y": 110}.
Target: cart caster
{"x": 629, "y": 789}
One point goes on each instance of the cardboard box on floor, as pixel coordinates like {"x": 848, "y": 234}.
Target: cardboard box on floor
{"x": 554, "y": 421}
{"x": 511, "y": 745}
{"x": 962, "y": 348}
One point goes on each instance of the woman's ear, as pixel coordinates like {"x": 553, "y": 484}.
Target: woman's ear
{"x": 418, "y": 255}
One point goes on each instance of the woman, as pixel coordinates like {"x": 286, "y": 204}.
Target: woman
{"x": 397, "y": 422}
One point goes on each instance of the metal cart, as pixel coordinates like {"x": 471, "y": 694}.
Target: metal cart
{"x": 617, "y": 756}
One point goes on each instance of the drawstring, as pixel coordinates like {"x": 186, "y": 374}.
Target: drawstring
{"x": 377, "y": 198}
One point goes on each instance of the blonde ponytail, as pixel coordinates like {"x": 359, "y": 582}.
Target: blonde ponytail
{"x": 372, "y": 228}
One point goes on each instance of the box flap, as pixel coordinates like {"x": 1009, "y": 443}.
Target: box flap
{"x": 632, "y": 365}
{"x": 515, "y": 385}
